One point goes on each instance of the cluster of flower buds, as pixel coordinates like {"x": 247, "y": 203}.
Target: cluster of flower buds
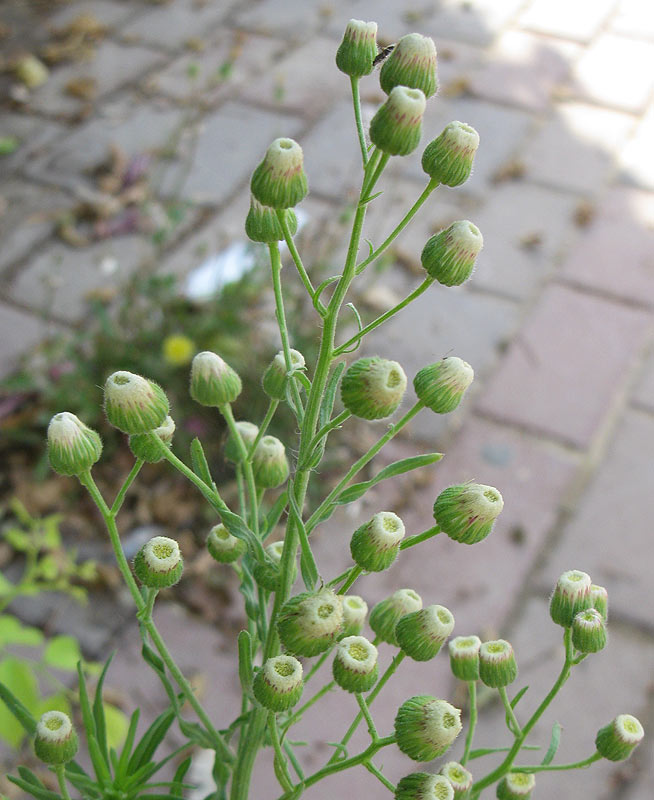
{"x": 310, "y": 622}
{"x": 143, "y": 447}
{"x": 223, "y": 546}
{"x": 55, "y": 741}
{"x": 467, "y": 512}
{"x": 425, "y": 727}
{"x": 375, "y": 545}
{"x": 579, "y": 604}
{"x": 388, "y": 612}
{"x": 355, "y": 611}
{"x": 275, "y": 378}
{"x": 373, "y": 388}
{"x": 159, "y": 563}
{"x": 278, "y": 684}
{"x": 355, "y": 664}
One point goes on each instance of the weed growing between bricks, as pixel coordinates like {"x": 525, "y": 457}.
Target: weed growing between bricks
{"x": 290, "y": 633}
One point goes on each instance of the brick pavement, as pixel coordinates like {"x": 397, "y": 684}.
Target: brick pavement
{"x": 557, "y": 322}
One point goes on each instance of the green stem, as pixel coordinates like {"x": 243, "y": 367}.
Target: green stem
{"x": 210, "y": 493}
{"x": 226, "y": 411}
{"x": 270, "y": 413}
{"x": 417, "y": 538}
{"x": 317, "y": 696}
{"x": 240, "y": 488}
{"x": 472, "y": 722}
{"x": 356, "y": 102}
{"x": 283, "y": 776}
{"x": 317, "y": 665}
{"x": 304, "y": 276}
{"x": 60, "y": 769}
{"x": 354, "y": 574}
{"x": 120, "y": 497}
{"x": 381, "y": 164}
{"x": 328, "y": 427}
{"x": 291, "y": 757}
{"x": 559, "y": 767}
{"x": 514, "y": 725}
{"x": 372, "y": 730}
{"x": 379, "y": 775}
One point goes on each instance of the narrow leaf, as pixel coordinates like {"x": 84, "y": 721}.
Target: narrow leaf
{"x": 199, "y": 462}
{"x": 308, "y": 566}
{"x": 485, "y": 751}
{"x": 237, "y": 527}
{"x": 27, "y": 775}
{"x": 98, "y": 712}
{"x": 519, "y": 696}
{"x": 275, "y": 513}
{"x": 196, "y": 733}
{"x": 330, "y": 395}
{"x": 178, "y": 780}
{"x": 357, "y": 490}
{"x": 151, "y": 740}
{"x": 35, "y": 791}
{"x": 245, "y": 661}
{"x": 85, "y": 705}
{"x": 18, "y": 709}
{"x": 100, "y": 766}
{"x": 321, "y": 288}
{"x": 554, "y": 744}
{"x": 121, "y": 770}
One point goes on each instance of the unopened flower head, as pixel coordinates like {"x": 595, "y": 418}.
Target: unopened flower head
{"x": 279, "y": 180}
{"x": 143, "y": 447}
{"x": 449, "y": 158}
{"x": 355, "y": 664}
{"x": 357, "y": 52}
{"x": 571, "y": 595}
{"x": 267, "y": 573}
{"x": 134, "y": 404}
{"x": 310, "y": 622}
{"x": 263, "y": 225}
{"x": 248, "y": 431}
{"x": 55, "y": 741}
{"x": 599, "y": 600}
{"x": 375, "y": 545}
{"x": 516, "y": 786}
{"x": 355, "y": 611}
{"x": 464, "y": 657}
{"x": 269, "y": 463}
{"x": 73, "y": 447}
{"x": 449, "y": 256}
{"x": 425, "y": 727}
{"x": 223, "y": 546}
{"x": 423, "y": 786}
{"x": 412, "y": 63}
{"x": 213, "y": 381}
{"x": 373, "y": 388}
{"x": 497, "y": 664}
{"x": 589, "y": 631}
{"x": 617, "y": 740}
{"x": 388, "y": 612}
{"x": 275, "y": 377}
{"x": 421, "y": 634}
{"x": 159, "y": 563}
{"x": 467, "y": 512}
{"x": 278, "y": 684}
{"x": 441, "y": 386}
{"x": 459, "y": 777}
{"x": 397, "y": 126}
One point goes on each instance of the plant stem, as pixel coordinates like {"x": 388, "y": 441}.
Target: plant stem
{"x": 304, "y": 277}
{"x": 417, "y": 538}
{"x": 61, "y": 778}
{"x": 328, "y": 427}
{"x": 120, "y": 497}
{"x": 586, "y": 762}
{"x": 472, "y": 721}
{"x": 354, "y": 574}
{"x": 270, "y": 413}
{"x": 356, "y": 102}
{"x": 379, "y": 775}
{"x": 372, "y": 730}
{"x": 514, "y": 725}
{"x": 318, "y": 664}
{"x": 240, "y": 488}
{"x": 296, "y": 716}
{"x": 282, "y": 773}
{"x": 226, "y": 411}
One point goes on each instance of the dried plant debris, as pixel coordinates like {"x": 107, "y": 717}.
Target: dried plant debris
{"x": 512, "y": 170}
{"x": 584, "y": 213}
{"x": 531, "y": 241}
{"x": 82, "y": 88}
{"x": 75, "y": 41}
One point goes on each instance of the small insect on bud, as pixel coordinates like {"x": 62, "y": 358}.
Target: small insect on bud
{"x": 73, "y": 448}
{"x": 441, "y": 386}
{"x": 213, "y": 381}
{"x": 619, "y": 738}
{"x": 589, "y": 631}
{"x": 425, "y": 727}
{"x": 159, "y": 563}
{"x": 266, "y": 573}
{"x": 275, "y": 377}
{"x": 599, "y": 600}
{"x": 262, "y": 224}
{"x": 571, "y": 595}
{"x": 421, "y": 634}
{"x": 373, "y": 388}
{"x": 449, "y": 256}
{"x": 397, "y": 126}
{"x": 355, "y": 665}
{"x": 355, "y": 611}
{"x": 134, "y": 404}
{"x": 278, "y": 684}
{"x": 388, "y": 612}
{"x": 516, "y": 786}
{"x": 248, "y": 431}
{"x": 449, "y": 158}
{"x": 459, "y": 777}
{"x": 497, "y": 664}
{"x": 223, "y": 547}
{"x": 279, "y": 180}
{"x": 412, "y": 63}
{"x": 467, "y": 512}
{"x": 375, "y": 545}
{"x": 357, "y": 52}
{"x": 464, "y": 657}
{"x": 269, "y": 463}
{"x": 310, "y": 622}
{"x": 423, "y": 786}
{"x": 143, "y": 447}
{"x": 56, "y": 740}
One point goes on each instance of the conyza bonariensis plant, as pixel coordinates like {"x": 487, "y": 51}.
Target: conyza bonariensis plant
{"x": 291, "y": 629}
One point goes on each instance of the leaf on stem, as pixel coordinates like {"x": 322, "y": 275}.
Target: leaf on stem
{"x": 18, "y": 709}
{"x": 519, "y": 696}
{"x": 245, "y": 661}
{"x": 237, "y": 527}
{"x": 486, "y": 751}
{"x": 199, "y": 462}
{"x": 308, "y": 566}
{"x": 357, "y": 490}
{"x": 554, "y": 744}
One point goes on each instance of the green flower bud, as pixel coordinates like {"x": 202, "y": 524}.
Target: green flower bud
{"x": 373, "y": 388}
{"x": 279, "y": 180}
{"x": 223, "y": 546}
{"x": 619, "y": 738}
{"x": 449, "y": 158}
{"x": 412, "y": 63}
{"x": 571, "y": 595}
{"x": 459, "y": 778}
{"x": 275, "y": 377}
{"x": 421, "y": 634}
{"x": 355, "y": 611}
{"x": 467, "y": 512}
{"x": 441, "y": 386}
{"x": 397, "y": 126}
{"x": 73, "y": 448}
{"x": 266, "y": 573}
{"x": 310, "y": 622}
{"x": 144, "y": 448}
{"x": 357, "y": 52}
{"x": 375, "y": 545}
{"x": 213, "y": 381}
{"x": 159, "y": 563}
{"x": 589, "y": 631}
{"x": 388, "y": 612}
{"x": 262, "y": 225}
{"x": 464, "y": 657}
{"x": 599, "y": 600}
{"x": 423, "y": 786}
{"x": 355, "y": 665}
{"x": 248, "y": 431}
{"x": 269, "y": 463}
{"x": 278, "y": 684}
{"x": 516, "y": 786}
{"x": 56, "y": 741}
{"x": 134, "y": 404}
{"x": 497, "y": 664}
{"x": 449, "y": 256}
{"x": 425, "y": 727}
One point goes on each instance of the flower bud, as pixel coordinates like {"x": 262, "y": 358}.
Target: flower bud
{"x": 144, "y": 448}
{"x": 262, "y": 225}
{"x": 159, "y": 563}
{"x": 467, "y": 512}
{"x": 412, "y": 63}
{"x": 421, "y": 634}
{"x": 425, "y": 727}
{"x": 441, "y": 386}
{"x": 375, "y": 545}
{"x": 423, "y": 786}
{"x": 73, "y": 448}
{"x": 619, "y": 738}
{"x": 599, "y": 600}
{"x": 310, "y": 622}
{"x": 56, "y": 740}
{"x": 571, "y": 595}
{"x": 464, "y": 657}
{"x": 589, "y": 631}
{"x": 388, "y": 612}
{"x": 266, "y": 573}
{"x": 449, "y": 256}
{"x": 269, "y": 463}
{"x": 449, "y": 158}
{"x": 459, "y": 778}
{"x": 373, "y": 388}
{"x": 278, "y": 684}
{"x": 516, "y": 786}
{"x": 279, "y": 180}
{"x": 275, "y": 377}
{"x": 223, "y": 546}
{"x": 397, "y": 126}
{"x": 355, "y": 611}
{"x": 497, "y": 664}
{"x": 213, "y": 381}
{"x": 248, "y": 431}
{"x": 134, "y": 404}
{"x": 355, "y": 664}
{"x": 357, "y": 52}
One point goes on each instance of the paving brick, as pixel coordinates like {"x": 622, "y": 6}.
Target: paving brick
{"x": 477, "y": 22}
{"x": 105, "y": 11}
{"x": 291, "y": 19}
{"x": 636, "y": 163}
{"x": 567, "y": 365}
{"x": 643, "y": 394}
{"x": 634, "y": 18}
{"x": 580, "y": 20}
{"x": 393, "y": 19}
{"x": 19, "y": 332}
{"x": 177, "y": 21}
{"x": 33, "y": 134}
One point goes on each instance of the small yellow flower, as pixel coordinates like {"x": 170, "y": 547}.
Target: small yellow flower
{"x": 178, "y": 350}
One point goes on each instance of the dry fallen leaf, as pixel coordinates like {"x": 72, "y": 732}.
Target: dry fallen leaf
{"x": 82, "y": 88}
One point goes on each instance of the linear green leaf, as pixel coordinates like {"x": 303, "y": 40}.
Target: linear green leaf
{"x": 357, "y": 490}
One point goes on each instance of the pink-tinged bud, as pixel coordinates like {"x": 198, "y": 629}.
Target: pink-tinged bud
{"x": 134, "y": 404}
{"x": 460, "y": 779}
{"x": 73, "y": 448}
{"x": 425, "y": 727}
{"x": 213, "y": 381}
{"x": 278, "y": 684}
{"x": 310, "y": 622}
{"x": 449, "y": 158}
{"x": 516, "y": 786}
{"x": 464, "y": 657}
{"x": 397, "y": 126}
{"x": 159, "y": 563}
{"x": 617, "y": 740}
{"x": 441, "y": 386}
{"x": 497, "y": 664}
{"x": 279, "y": 180}
{"x": 357, "y": 52}
{"x": 262, "y": 224}
{"x": 412, "y": 63}
{"x": 375, "y": 545}
{"x": 467, "y": 512}
{"x": 449, "y": 256}
{"x": 373, "y": 388}
{"x": 571, "y": 595}
{"x": 423, "y": 786}
{"x": 56, "y": 741}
